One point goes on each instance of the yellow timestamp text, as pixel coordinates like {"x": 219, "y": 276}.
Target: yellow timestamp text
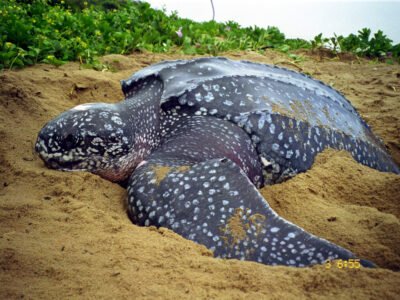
{"x": 343, "y": 264}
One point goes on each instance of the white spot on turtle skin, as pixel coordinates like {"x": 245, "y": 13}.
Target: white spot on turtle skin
{"x": 275, "y": 147}
{"x": 116, "y": 120}
{"x": 108, "y": 127}
{"x": 274, "y": 229}
{"x": 289, "y": 154}
{"x": 261, "y": 121}
{"x": 206, "y": 87}
{"x": 142, "y": 163}
{"x": 272, "y": 128}
{"x": 216, "y": 87}
{"x": 233, "y": 193}
{"x": 265, "y": 162}
{"x": 228, "y": 103}
{"x": 182, "y": 100}
{"x": 209, "y": 97}
{"x": 198, "y": 97}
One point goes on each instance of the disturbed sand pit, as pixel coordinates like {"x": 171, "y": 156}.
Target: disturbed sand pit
{"x": 68, "y": 235}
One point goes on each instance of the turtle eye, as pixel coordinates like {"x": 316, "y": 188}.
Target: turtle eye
{"x": 70, "y": 141}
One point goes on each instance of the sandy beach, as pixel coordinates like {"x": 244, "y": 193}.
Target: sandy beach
{"x": 67, "y": 235}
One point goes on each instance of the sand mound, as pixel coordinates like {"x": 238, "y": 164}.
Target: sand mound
{"x": 67, "y": 235}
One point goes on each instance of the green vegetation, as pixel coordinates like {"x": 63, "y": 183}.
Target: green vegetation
{"x": 54, "y": 32}
{"x": 362, "y": 44}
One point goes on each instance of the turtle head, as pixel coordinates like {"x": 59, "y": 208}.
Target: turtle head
{"x": 91, "y": 137}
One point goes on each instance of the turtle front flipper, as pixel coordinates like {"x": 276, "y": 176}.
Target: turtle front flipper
{"x": 215, "y": 204}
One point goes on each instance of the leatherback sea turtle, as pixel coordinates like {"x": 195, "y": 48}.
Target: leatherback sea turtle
{"x": 197, "y": 137}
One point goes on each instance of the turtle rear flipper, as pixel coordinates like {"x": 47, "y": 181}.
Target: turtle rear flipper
{"x": 215, "y": 204}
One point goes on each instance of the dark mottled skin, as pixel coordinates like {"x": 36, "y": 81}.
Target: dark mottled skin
{"x": 196, "y": 138}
